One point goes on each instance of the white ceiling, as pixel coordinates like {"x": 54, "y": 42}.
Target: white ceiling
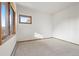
{"x": 48, "y": 7}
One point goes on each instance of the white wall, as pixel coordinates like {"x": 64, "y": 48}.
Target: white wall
{"x": 7, "y": 47}
{"x": 40, "y": 24}
{"x": 62, "y": 25}
{"x": 66, "y": 24}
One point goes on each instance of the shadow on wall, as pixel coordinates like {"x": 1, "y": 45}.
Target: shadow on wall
{"x": 37, "y": 35}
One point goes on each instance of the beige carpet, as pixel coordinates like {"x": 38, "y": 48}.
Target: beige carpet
{"x": 47, "y": 47}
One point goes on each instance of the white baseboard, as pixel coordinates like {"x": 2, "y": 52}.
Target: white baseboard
{"x": 66, "y": 41}
{"x": 33, "y": 39}
{"x": 47, "y": 38}
{"x": 14, "y": 50}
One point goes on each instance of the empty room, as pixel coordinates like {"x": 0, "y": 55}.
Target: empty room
{"x": 39, "y": 28}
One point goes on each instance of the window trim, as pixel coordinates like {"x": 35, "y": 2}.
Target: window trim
{"x": 14, "y": 16}
{"x": 0, "y": 27}
{"x": 9, "y": 17}
{"x": 13, "y": 20}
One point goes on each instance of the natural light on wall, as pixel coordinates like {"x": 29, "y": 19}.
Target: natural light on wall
{"x": 37, "y": 35}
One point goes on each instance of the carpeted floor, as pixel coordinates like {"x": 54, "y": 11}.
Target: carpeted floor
{"x": 47, "y": 47}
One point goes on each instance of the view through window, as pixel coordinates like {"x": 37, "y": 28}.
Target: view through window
{"x": 4, "y": 20}
{"x": 7, "y": 20}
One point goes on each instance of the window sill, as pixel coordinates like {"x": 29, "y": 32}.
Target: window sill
{"x": 7, "y": 38}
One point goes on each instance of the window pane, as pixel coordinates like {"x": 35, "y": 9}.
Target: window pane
{"x": 4, "y": 19}
{"x": 25, "y": 19}
{"x": 3, "y": 15}
{"x": 11, "y": 20}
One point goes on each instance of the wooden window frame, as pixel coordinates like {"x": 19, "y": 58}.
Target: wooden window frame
{"x": 14, "y": 22}
{"x": 25, "y": 22}
{"x": 0, "y": 26}
{"x": 13, "y": 19}
{"x": 9, "y": 17}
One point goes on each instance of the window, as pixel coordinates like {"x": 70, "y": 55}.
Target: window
{"x": 7, "y": 20}
{"x": 25, "y": 19}
{"x": 11, "y": 20}
{"x": 4, "y": 19}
